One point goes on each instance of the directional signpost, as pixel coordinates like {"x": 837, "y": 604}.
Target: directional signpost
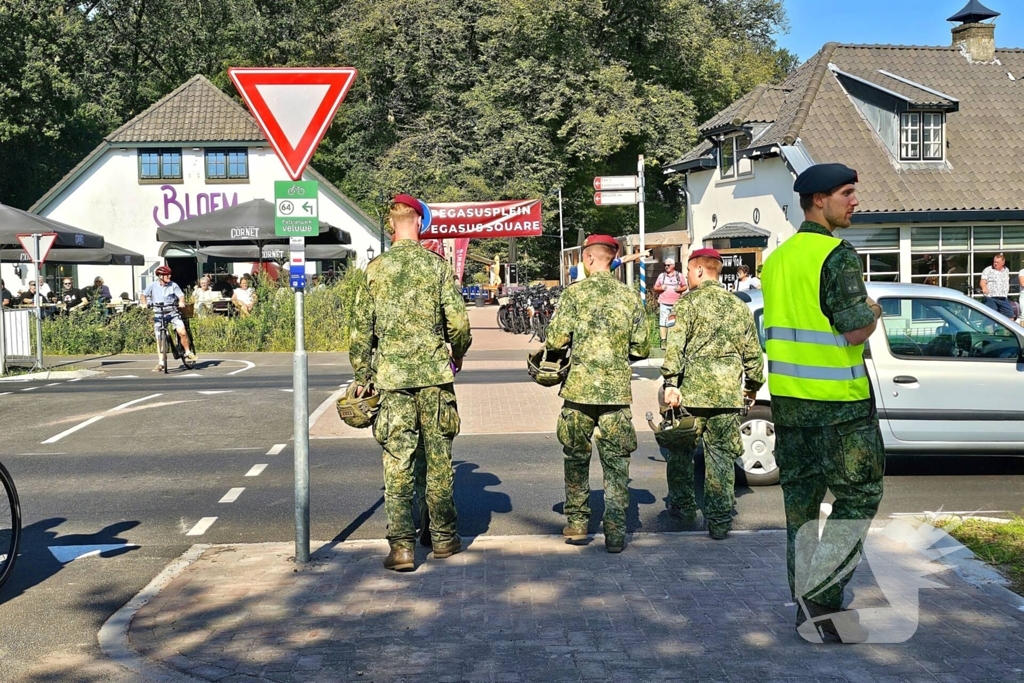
{"x": 623, "y": 190}
{"x": 616, "y": 198}
{"x": 294, "y": 107}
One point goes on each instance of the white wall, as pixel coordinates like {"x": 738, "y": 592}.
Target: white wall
{"x": 109, "y": 200}
{"x": 768, "y": 190}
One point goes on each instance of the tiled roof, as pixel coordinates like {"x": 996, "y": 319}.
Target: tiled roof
{"x": 984, "y": 166}
{"x": 737, "y": 231}
{"x": 197, "y": 111}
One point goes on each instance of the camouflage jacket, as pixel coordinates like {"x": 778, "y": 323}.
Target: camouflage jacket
{"x": 848, "y": 311}
{"x": 711, "y": 348}
{"x": 403, "y": 314}
{"x": 605, "y": 324}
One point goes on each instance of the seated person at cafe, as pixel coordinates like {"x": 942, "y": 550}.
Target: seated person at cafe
{"x": 99, "y": 292}
{"x": 244, "y": 298}
{"x": 71, "y": 297}
{"x": 206, "y": 295}
{"x": 6, "y": 298}
{"x": 28, "y": 297}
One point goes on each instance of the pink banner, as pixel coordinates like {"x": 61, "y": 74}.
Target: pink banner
{"x": 436, "y": 246}
{"x": 513, "y": 218}
{"x": 461, "y": 249}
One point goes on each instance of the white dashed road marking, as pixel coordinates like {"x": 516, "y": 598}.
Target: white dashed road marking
{"x": 241, "y": 448}
{"x": 232, "y": 495}
{"x": 53, "y": 385}
{"x": 91, "y": 420}
{"x": 287, "y": 391}
{"x": 256, "y": 471}
{"x": 5, "y": 393}
{"x": 201, "y": 526}
{"x": 211, "y": 393}
{"x": 77, "y": 379}
{"x": 276, "y": 449}
{"x": 31, "y": 388}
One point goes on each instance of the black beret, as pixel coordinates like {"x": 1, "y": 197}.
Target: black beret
{"x": 824, "y": 178}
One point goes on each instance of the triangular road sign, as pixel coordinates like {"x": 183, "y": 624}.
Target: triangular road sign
{"x": 46, "y": 241}
{"x": 293, "y": 107}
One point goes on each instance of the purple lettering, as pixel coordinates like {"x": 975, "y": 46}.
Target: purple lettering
{"x": 202, "y": 203}
{"x": 215, "y": 200}
{"x": 234, "y": 201}
{"x": 170, "y": 199}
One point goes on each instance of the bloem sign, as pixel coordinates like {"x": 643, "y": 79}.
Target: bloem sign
{"x": 513, "y": 218}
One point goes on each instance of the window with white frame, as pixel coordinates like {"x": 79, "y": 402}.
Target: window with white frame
{"x": 728, "y": 152}
{"x": 879, "y": 250}
{"x": 921, "y": 136}
{"x": 732, "y": 164}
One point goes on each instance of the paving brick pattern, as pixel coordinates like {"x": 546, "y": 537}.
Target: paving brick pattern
{"x": 531, "y": 608}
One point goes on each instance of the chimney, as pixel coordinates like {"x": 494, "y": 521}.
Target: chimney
{"x": 976, "y": 39}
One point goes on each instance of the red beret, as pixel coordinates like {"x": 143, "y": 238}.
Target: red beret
{"x": 710, "y": 253}
{"x": 409, "y": 201}
{"x": 605, "y": 240}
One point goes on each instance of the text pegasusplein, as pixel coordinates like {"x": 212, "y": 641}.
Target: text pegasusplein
{"x": 483, "y": 212}
{"x": 472, "y": 228}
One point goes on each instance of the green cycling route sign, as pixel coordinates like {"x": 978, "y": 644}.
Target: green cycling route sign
{"x": 296, "y": 213}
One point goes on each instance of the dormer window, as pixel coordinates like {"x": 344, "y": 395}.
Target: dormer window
{"x": 921, "y": 136}
{"x": 732, "y": 164}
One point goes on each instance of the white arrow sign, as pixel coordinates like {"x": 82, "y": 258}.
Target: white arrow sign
{"x": 616, "y": 182}
{"x": 616, "y": 198}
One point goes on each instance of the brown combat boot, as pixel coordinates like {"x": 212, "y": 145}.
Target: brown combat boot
{"x": 448, "y": 549}
{"x": 574, "y": 534}
{"x": 401, "y": 560}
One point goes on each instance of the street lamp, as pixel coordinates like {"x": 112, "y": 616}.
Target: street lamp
{"x": 561, "y": 238}
{"x": 382, "y": 204}
{"x": 369, "y": 253}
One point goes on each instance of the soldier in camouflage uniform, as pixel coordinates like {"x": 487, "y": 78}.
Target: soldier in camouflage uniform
{"x": 817, "y": 317}
{"x": 604, "y": 323}
{"x": 711, "y": 348}
{"x": 406, "y": 311}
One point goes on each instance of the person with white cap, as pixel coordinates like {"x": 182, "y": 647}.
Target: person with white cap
{"x": 668, "y": 287}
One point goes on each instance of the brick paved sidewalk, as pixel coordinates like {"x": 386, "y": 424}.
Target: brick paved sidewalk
{"x": 531, "y": 608}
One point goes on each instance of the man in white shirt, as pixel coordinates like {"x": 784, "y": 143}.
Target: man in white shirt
{"x": 995, "y": 285}
{"x": 745, "y": 280}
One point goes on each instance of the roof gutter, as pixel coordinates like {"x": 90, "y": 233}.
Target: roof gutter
{"x": 699, "y": 164}
{"x": 982, "y": 215}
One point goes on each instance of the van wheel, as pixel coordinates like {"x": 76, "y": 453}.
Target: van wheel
{"x": 757, "y": 433}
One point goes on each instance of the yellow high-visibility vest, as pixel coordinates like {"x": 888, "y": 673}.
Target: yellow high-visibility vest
{"x": 808, "y": 358}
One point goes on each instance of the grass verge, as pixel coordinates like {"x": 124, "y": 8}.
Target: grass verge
{"x": 1001, "y": 545}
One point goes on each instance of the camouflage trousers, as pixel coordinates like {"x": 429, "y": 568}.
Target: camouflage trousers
{"x": 424, "y": 420}
{"x": 720, "y": 431}
{"x": 611, "y": 427}
{"x": 849, "y": 460}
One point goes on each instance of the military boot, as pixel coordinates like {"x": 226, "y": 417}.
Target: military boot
{"x": 401, "y": 559}
{"x": 574, "y": 534}
{"x": 614, "y": 545}
{"x": 448, "y": 549}
{"x": 842, "y": 626}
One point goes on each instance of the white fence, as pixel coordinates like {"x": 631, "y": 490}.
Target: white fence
{"x": 18, "y": 335}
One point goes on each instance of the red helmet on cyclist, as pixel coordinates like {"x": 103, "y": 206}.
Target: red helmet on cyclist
{"x": 163, "y": 270}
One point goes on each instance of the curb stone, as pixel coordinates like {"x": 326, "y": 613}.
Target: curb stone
{"x": 113, "y": 635}
{"x": 53, "y": 374}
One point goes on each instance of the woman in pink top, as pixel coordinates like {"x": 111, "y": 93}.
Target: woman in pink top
{"x": 668, "y": 287}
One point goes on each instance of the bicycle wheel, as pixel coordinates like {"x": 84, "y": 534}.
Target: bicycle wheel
{"x": 10, "y": 525}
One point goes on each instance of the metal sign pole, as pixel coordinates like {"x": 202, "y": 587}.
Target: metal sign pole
{"x": 643, "y": 245}
{"x": 3, "y": 342}
{"x": 561, "y": 242}
{"x": 300, "y": 395}
{"x": 39, "y": 306}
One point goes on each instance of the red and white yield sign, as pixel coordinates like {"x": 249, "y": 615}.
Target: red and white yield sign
{"x": 46, "y": 240}
{"x": 293, "y": 107}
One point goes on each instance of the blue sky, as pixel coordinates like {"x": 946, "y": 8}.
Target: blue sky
{"x": 901, "y": 22}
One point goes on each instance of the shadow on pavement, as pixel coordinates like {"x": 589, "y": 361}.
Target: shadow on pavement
{"x": 36, "y": 563}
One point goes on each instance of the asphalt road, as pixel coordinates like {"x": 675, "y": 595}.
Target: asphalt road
{"x": 160, "y": 457}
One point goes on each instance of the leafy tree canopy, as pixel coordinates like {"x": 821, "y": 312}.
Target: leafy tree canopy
{"x": 456, "y": 99}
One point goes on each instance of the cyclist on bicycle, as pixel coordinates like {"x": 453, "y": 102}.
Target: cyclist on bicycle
{"x": 163, "y": 292}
